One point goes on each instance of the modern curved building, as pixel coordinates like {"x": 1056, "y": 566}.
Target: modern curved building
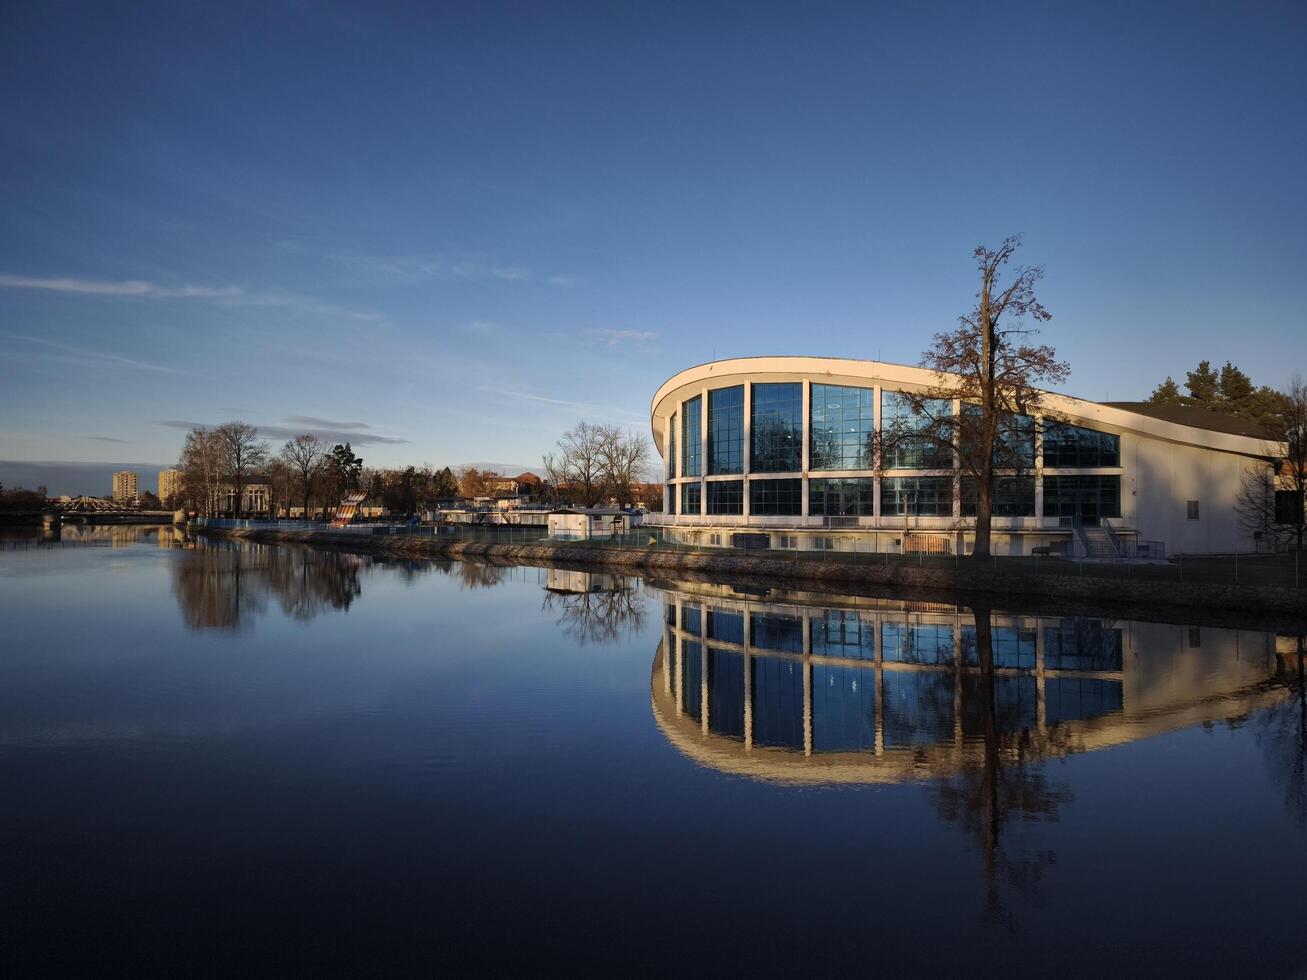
{"x": 779, "y": 452}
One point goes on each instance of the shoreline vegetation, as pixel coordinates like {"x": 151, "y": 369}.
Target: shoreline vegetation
{"x": 1140, "y": 598}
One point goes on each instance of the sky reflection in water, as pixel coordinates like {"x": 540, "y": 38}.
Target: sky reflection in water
{"x": 217, "y": 756}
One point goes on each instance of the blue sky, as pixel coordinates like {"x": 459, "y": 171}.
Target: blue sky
{"x": 451, "y": 231}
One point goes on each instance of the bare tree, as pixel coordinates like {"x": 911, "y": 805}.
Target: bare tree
{"x": 305, "y": 455}
{"x": 1272, "y": 501}
{"x": 623, "y": 457}
{"x": 555, "y": 476}
{"x": 281, "y": 484}
{"x": 989, "y": 363}
{"x": 581, "y": 461}
{"x": 242, "y": 454}
{"x": 201, "y": 468}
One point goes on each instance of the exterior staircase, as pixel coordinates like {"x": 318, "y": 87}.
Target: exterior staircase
{"x": 1098, "y": 543}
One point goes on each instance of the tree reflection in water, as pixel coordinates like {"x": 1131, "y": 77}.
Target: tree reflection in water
{"x": 1283, "y": 737}
{"x": 985, "y": 799}
{"x": 595, "y": 608}
{"x": 225, "y": 585}
{"x": 474, "y": 575}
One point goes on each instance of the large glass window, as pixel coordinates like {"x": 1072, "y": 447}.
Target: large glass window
{"x": 778, "y": 702}
{"x": 671, "y": 498}
{"x": 725, "y": 626}
{"x": 1082, "y": 644}
{"x": 843, "y": 708}
{"x": 691, "y": 678}
{"x": 726, "y": 430}
{"x": 904, "y": 449}
{"x": 1070, "y": 445}
{"x": 779, "y": 497}
{"x": 1077, "y": 698}
{"x": 1014, "y": 447}
{"x": 1086, "y": 498}
{"x": 776, "y": 428}
{"x": 1012, "y": 647}
{"x": 843, "y": 427}
{"x": 692, "y": 437}
{"x": 1014, "y": 496}
{"x": 851, "y": 497}
{"x": 671, "y": 447}
{"x": 840, "y": 633}
{"x": 783, "y": 633}
{"x": 916, "y": 644}
{"x": 917, "y": 496}
{"x": 691, "y": 498}
{"x": 726, "y": 497}
{"x": 725, "y": 693}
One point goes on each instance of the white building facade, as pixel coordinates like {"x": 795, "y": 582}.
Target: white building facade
{"x": 780, "y": 452}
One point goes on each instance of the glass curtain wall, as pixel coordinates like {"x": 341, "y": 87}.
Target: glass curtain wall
{"x": 726, "y": 430}
{"x": 843, "y": 428}
{"x": 1069, "y": 446}
{"x": 904, "y": 449}
{"x": 776, "y": 428}
{"x": 692, "y": 437}
{"x": 776, "y": 497}
{"x": 726, "y": 497}
{"x": 917, "y": 496}
{"x": 671, "y": 447}
{"x": 834, "y": 497}
{"x": 691, "y": 498}
{"x": 1014, "y": 496}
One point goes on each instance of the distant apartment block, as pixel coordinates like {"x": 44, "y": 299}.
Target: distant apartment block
{"x": 126, "y": 486}
{"x": 170, "y": 483}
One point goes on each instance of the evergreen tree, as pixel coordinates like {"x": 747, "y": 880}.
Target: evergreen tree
{"x": 1204, "y": 386}
{"x": 1167, "y": 393}
{"x": 1234, "y": 390}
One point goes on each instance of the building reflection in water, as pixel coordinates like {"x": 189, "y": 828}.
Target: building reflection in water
{"x": 810, "y": 689}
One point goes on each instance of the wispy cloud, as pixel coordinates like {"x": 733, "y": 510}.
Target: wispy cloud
{"x": 107, "y": 439}
{"x": 313, "y": 420}
{"x": 608, "y": 413}
{"x": 356, "y": 433}
{"x": 640, "y": 340}
{"x": 89, "y": 356}
{"x": 449, "y": 267}
{"x": 141, "y": 288}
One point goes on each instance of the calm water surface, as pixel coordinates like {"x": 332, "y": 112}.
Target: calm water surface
{"x": 268, "y": 760}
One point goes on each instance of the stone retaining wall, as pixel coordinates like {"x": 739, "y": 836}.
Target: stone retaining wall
{"x": 1284, "y": 605}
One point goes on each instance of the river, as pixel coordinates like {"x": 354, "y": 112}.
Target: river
{"x": 222, "y": 757}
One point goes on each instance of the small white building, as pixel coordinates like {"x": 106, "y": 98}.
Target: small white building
{"x": 586, "y": 523}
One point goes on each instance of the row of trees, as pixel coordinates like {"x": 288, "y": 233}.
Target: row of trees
{"x": 217, "y": 464}
{"x": 1230, "y": 392}
{"x": 594, "y": 463}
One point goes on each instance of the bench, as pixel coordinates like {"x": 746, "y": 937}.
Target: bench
{"x": 1042, "y": 549}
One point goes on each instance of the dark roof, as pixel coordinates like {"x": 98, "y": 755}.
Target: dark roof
{"x": 1198, "y": 418}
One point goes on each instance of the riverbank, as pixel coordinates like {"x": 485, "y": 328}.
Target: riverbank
{"x": 1005, "y": 584}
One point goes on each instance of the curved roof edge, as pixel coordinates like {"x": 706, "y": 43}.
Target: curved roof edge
{"x": 1097, "y": 414}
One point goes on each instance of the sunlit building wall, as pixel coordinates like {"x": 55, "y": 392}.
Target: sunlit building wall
{"x": 126, "y": 486}
{"x": 170, "y": 484}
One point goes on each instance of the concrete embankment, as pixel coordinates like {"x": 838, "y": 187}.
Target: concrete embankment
{"x": 1281, "y": 604}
